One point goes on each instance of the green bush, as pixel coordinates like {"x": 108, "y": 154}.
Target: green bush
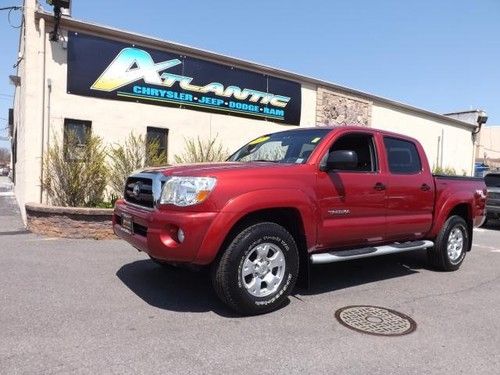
{"x": 75, "y": 174}
{"x": 135, "y": 153}
{"x": 201, "y": 151}
{"x": 448, "y": 171}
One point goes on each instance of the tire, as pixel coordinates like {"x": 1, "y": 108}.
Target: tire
{"x": 455, "y": 234}
{"x": 257, "y": 271}
{"x": 485, "y": 222}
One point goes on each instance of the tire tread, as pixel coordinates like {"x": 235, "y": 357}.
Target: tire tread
{"x": 437, "y": 254}
{"x": 222, "y": 267}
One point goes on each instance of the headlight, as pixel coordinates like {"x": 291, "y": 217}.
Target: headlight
{"x": 186, "y": 191}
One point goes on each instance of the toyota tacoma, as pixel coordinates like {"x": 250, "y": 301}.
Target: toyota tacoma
{"x": 294, "y": 198}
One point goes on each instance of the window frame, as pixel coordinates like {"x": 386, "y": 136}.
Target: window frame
{"x": 373, "y": 154}
{"x": 417, "y": 152}
{"x": 166, "y": 132}
{"x": 87, "y": 124}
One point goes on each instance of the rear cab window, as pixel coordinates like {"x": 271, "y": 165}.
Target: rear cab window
{"x": 492, "y": 180}
{"x": 402, "y": 156}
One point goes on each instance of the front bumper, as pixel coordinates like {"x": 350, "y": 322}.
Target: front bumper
{"x": 155, "y": 231}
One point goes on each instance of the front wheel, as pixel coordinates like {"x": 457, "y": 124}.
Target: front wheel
{"x": 451, "y": 245}
{"x": 258, "y": 270}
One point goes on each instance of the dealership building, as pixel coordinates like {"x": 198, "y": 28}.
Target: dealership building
{"x": 115, "y": 82}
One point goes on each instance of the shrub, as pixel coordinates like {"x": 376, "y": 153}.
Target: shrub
{"x": 135, "y": 153}
{"x": 448, "y": 171}
{"x": 75, "y": 174}
{"x": 201, "y": 151}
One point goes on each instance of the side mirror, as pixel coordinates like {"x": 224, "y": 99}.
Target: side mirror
{"x": 341, "y": 160}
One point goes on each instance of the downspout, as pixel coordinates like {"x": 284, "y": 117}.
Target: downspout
{"x": 482, "y": 118}
{"x": 438, "y": 152}
{"x": 49, "y": 87}
{"x": 442, "y": 148}
{"x": 42, "y": 148}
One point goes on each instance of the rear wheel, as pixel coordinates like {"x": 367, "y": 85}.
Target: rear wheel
{"x": 258, "y": 270}
{"x": 451, "y": 245}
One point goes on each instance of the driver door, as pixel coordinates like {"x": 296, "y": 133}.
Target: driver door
{"x": 352, "y": 200}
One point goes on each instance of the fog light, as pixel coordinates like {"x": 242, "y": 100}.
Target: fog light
{"x": 180, "y": 235}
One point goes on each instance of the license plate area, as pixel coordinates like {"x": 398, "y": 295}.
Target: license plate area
{"x": 128, "y": 223}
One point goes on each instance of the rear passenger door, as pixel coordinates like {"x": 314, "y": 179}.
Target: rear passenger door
{"x": 410, "y": 190}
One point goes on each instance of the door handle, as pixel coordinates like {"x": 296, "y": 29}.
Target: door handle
{"x": 379, "y": 186}
{"x": 425, "y": 187}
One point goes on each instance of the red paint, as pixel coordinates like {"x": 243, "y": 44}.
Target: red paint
{"x": 412, "y": 206}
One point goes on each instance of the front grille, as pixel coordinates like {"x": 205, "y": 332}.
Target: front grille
{"x": 494, "y": 195}
{"x": 139, "y": 190}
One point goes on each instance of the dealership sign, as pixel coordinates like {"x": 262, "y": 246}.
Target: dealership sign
{"x": 105, "y": 68}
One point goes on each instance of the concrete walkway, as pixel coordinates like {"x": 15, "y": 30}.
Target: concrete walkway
{"x": 10, "y": 217}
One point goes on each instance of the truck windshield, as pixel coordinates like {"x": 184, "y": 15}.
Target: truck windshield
{"x": 293, "y": 146}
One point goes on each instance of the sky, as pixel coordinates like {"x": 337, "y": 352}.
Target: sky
{"x": 439, "y": 55}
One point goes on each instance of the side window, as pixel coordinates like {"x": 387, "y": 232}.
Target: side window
{"x": 402, "y": 156}
{"x": 159, "y": 138}
{"x": 76, "y": 134}
{"x": 363, "y": 146}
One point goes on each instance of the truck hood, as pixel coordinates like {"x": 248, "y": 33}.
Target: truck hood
{"x": 216, "y": 169}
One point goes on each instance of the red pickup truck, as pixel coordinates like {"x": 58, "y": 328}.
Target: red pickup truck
{"x": 294, "y": 198}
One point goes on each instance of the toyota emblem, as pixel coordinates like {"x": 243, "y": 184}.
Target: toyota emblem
{"x": 136, "y": 190}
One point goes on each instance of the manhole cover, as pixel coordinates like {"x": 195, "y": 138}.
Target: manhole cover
{"x": 375, "y": 320}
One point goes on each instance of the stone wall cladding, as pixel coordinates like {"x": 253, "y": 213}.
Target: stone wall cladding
{"x": 70, "y": 222}
{"x": 335, "y": 108}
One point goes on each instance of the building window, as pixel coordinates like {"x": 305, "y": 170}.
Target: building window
{"x": 159, "y": 138}
{"x": 76, "y": 135}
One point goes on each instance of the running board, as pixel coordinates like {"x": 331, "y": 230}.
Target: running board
{"x": 366, "y": 252}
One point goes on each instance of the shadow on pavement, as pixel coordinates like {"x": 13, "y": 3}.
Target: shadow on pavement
{"x": 177, "y": 289}
{"x": 15, "y": 232}
{"x": 491, "y": 224}
{"x": 171, "y": 288}
{"x": 336, "y": 276}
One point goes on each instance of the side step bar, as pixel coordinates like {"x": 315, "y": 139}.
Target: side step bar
{"x": 366, "y": 252}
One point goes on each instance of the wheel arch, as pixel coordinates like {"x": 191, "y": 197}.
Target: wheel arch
{"x": 291, "y": 208}
{"x": 289, "y": 218}
{"x": 464, "y": 210}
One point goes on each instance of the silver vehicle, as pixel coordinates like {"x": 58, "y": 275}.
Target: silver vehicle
{"x": 492, "y": 181}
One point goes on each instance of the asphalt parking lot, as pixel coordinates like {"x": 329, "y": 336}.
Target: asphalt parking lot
{"x": 86, "y": 307}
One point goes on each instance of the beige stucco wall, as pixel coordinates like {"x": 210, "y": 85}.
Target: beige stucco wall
{"x": 457, "y": 147}
{"x": 489, "y": 146}
{"x": 28, "y": 114}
